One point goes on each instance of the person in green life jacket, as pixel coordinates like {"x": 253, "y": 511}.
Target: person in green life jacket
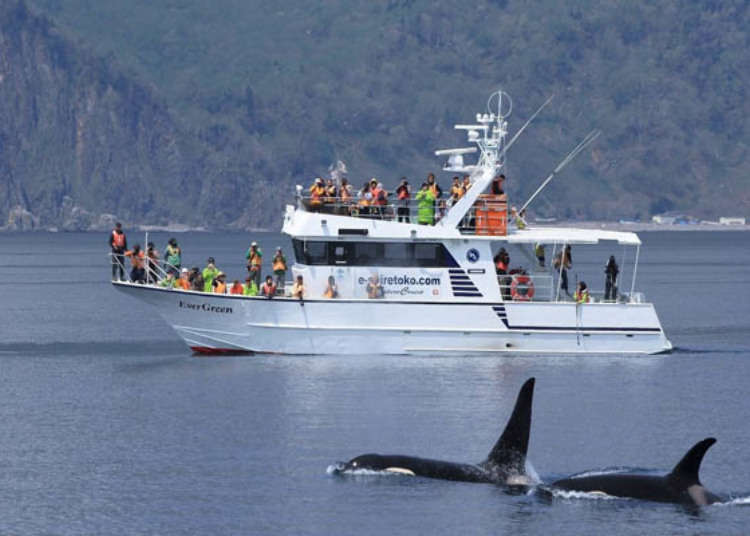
{"x": 173, "y": 257}
{"x": 249, "y": 288}
{"x": 169, "y": 281}
{"x": 425, "y": 205}
{"x": 209, "y": 274}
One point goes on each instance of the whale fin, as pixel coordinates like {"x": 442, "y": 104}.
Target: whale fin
{"x": 509, "y": 453}
{"x": 686, "y": 470}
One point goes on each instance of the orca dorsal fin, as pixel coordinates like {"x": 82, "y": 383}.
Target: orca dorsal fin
{"x": 686, "y": 470}
{"x": 510, "y": 450}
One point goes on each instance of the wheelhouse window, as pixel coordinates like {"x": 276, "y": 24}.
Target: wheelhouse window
{"x": 396, "y": 254}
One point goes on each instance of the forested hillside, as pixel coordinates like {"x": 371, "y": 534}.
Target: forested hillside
{"x": 209, "y": 112}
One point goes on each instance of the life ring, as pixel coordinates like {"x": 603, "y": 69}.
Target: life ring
{"x": 522, "y": 288}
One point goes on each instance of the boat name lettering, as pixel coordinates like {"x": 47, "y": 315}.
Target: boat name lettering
{"x": 206, "y": 307}
{"x": 404, "y": 280}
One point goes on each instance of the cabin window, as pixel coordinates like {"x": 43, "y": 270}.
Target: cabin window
{"x": 395, "y": 254}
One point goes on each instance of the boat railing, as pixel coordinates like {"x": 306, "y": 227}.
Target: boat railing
{"x": 154, "y": 271}
{"x": 488, "y": 215}
{"x": 536, "y": 287}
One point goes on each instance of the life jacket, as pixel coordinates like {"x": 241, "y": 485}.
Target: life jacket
{"x": 220, "y": 288}
{"x": 403, "y": 193}
{"x": 298, "y": 291}
{"x": 136, "y": 260}
{"x": 316, "y": 193}
{"x": 346, "y": 193}
{"x": 236, "y": 288}
{"x": 183, "y": 283}
{"x": 268, "y": 290}
{"x": 118, "y": 240}
{"x": 250, "y": 290}
{"x": 254, "y": 258}
{"x": 173, "y": 255}
{"x": 279, "y": 264}
{"x": 435, "y": 189}
{"x": 581, "y": 297}
{"x": 378, "y": 196}
{"x": 501, "y": 266}
{"x": 457, "y": 191}
{"x": 330, "y": 293}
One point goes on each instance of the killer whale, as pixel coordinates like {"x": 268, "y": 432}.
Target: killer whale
{"x": 681, "y": 485}
{"x": 505, "y": 464}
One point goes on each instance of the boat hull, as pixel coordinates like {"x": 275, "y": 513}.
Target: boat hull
{"x": 220, "y": 324}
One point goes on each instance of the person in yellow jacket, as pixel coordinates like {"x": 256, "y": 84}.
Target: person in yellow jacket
{"x": 317, "y": 195}
{"x": 209, "y": 274}
{"x": 581, "y": 294}
{"x": 278, "y": 265}
{"x": 249, "y": 288}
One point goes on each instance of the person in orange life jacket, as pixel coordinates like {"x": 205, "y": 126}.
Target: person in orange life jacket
{"x": 317, "y": 193}
{"x": 137, "y": 259}
{"x": 152, "y": 266}
{"x": 278, "y": 265}
{"x": 254, "y": 258}
{"x": 457, "y": 191}
{"x": 236, "y": 288}
{"x": 403, "y": 193}
{"x": 184, "y": 281}
{"x": 220, "y": 283}
{"x": 298, "y": 289}
{"x": 345, "y": 195}
{"x": 502, "y": 264}
{"x": 379, "y": 197}
{"x": 582, "y": 293}
{"x": 332, "y": 290}
{"x": 268, "y": 289}
{"x": 118, "y": 245}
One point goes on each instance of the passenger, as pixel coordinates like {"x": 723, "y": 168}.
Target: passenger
{"x": 118, "y": 245}
{"x": 437, "y": 192}
{"x": 364, "y": 200}
{"x": 173, "y": 257}
{"x": 374, "y": 288}
{"x": 610, "y": 283}
{"x": 137, "y": 259}
{"x": 169, "y": 281}
{"x": 268, "y": 289}
{"x": 298, "y": 289}
{"x": 236, "y": 288}
{"x": 332, "y": 290}
{"x": 331, "y": 192}
{"x": 539, "y": 252}
{"x": 379, "y": 198}
{"x": 562, "y": 263}
{"x": 209, "y": 274}
{"x": 184, "y": 282}
{"x": 254, "y": 258}
{"x": 345, "y": 197}
{"x": 466, "y": 184}
{"x": 198, "y": 284}
{"x": 249, "y": 288}
{"x": 425, "y": 205}
{"x": 498, "y": 186}
{"x": 317, "y": 194}
{"x": 502, "y": 266}
{"x": 278, "y": 265}
{"x": 582, "y": 293}
{"x": 152, "y": 254}
{"x": 220, "y": 283}
{"x": 457, "y": 191}
{"x": 519, "y": 222}
{"x": 403, "y": 192}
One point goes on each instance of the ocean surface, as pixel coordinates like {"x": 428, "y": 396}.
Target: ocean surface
{"x": 111, "y": 426}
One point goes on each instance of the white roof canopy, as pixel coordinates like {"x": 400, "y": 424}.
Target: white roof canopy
{"x": 552, "y": 235}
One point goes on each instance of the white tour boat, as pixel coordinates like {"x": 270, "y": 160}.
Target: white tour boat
{"x": 433, "y": 288}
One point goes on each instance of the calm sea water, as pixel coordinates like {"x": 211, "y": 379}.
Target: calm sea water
{"x": 110, "y": 426}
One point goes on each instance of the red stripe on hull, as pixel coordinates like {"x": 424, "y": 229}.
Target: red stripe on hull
{"x": 206, "y": 350}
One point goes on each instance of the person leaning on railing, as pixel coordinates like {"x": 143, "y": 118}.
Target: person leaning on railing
{"x": 137, "y": 259}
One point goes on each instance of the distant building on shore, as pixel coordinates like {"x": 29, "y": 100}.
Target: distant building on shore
{"x": 732, "y": 221}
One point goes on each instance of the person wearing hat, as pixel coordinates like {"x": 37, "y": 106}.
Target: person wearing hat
{"x": 184, "y": 281}
{"x": 209, "y": 274}
{"x": 278, "y": 265}
{"x": 173, "y": 257}
{"x": 254, "y": 258}
{"x": 317, "y": 193}
{"x": 220, "y": 283}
